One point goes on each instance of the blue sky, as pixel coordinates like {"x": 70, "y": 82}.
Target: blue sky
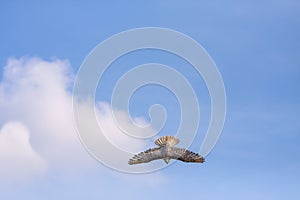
{"x": 255, "y": 45}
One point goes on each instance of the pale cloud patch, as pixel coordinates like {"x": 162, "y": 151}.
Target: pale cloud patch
{"x": 114, "y": 133}
{"x": 35, "y": 92}
{"x": 19, "y": 161}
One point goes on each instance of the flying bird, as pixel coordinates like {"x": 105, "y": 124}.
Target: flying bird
{"x": 166, "y": 151}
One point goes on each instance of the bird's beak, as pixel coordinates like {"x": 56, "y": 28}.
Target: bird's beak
{"x": 167, "y": 160}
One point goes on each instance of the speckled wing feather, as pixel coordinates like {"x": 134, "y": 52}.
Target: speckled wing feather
{"x": 185, "y": 155}
{"x": 146, "y": 156}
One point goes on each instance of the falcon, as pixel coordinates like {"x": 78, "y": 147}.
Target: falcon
{"x": 166, "y": 151}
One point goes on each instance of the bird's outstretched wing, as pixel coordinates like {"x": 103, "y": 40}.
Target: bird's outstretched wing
{"x": 185, "y": 155}
{"x": 146, "y": 156}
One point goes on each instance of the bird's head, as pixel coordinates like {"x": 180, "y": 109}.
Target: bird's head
{"x": 167, "y": 160}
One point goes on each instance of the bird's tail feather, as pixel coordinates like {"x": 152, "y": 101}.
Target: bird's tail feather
{"x": 167, "y": 140}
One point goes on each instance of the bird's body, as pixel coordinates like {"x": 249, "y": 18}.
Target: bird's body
{"x": 166, "y": 151}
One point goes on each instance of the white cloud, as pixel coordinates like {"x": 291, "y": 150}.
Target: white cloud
{"x": 113, "y": 133}
{"x": 18, "y": 159}
{"x": 37, "y": 94}
{"x": 34, "y": 92}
